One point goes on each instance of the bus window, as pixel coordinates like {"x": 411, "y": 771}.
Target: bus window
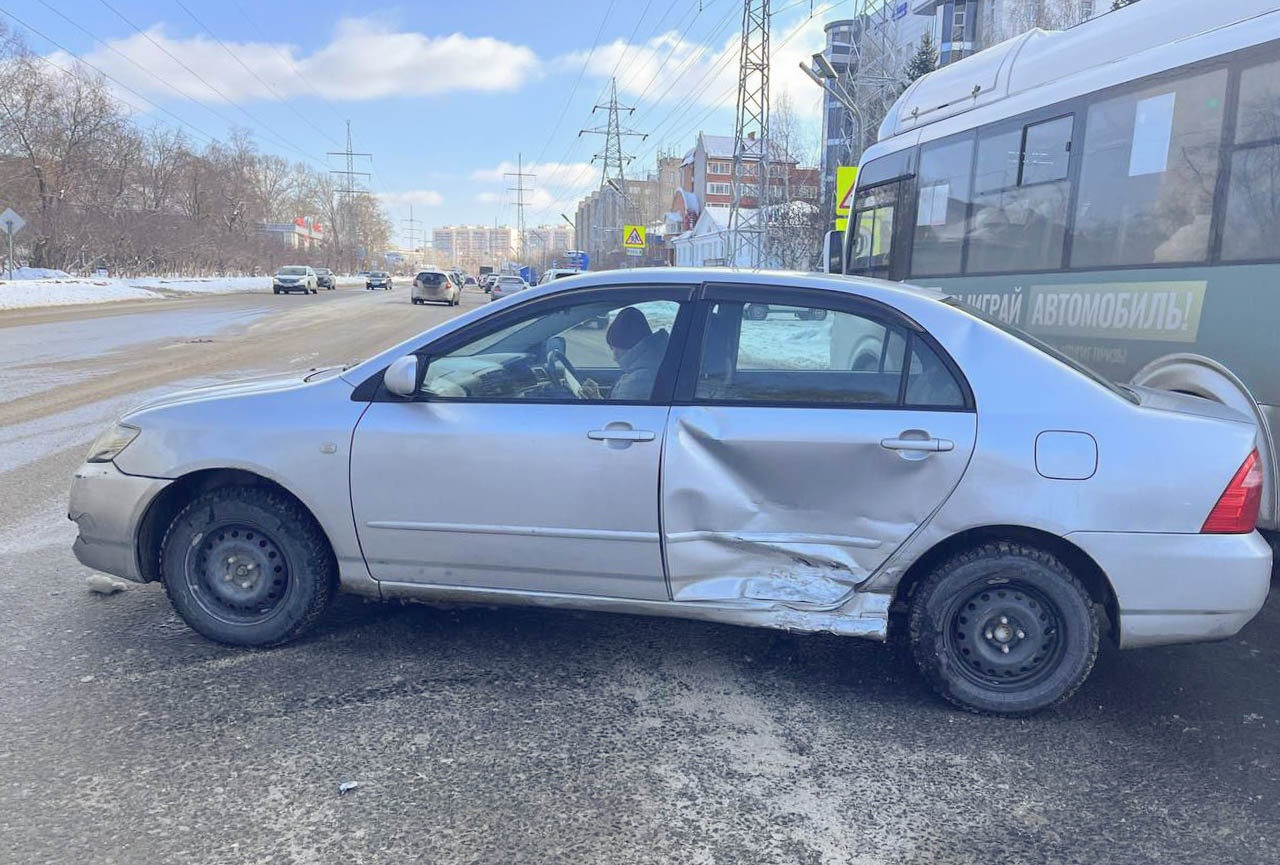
{"x": 1252, "y": 225}
{"x": 1021, "y": 198}
{"x": 1150, "y": 163}
{"x": 942, "y": 207}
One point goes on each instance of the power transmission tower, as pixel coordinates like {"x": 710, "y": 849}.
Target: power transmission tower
{"x": 412, "y": 230}
{"x": 349, "y": 190}
{"x": 519, "y": 174}
{"x": 748, "y": 230}
{"x": 614, "y": 159}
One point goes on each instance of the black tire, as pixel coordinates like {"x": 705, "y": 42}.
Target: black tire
{"x": 275, "y": 291}
{"x": 257, "y": 532}
{"x": 1004, "y": 629}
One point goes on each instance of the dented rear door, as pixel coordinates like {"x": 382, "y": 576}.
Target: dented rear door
{"x": 790, "y": 476}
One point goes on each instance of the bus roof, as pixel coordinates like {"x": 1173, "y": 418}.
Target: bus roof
{"x": 1112, "y": 46}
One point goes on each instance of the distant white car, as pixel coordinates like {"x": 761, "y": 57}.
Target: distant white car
{"x": 557, "y": 273}
{"x": 294, "y": 277}
{"x": 506, "y": 285}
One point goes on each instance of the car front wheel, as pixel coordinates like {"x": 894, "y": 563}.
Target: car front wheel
{"x": 1004, "y": 629}
{"x": 247, "y": 566}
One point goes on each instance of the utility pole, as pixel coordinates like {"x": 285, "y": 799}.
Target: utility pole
{"x": 519, "y": 175}
{"x": 614, "y": 160}
{"x": 349, "y": 175}
{"x": 748, "y": 230}
{"x": 412, "y": 230}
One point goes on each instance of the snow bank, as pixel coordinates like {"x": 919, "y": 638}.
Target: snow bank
{"x": 62, "y": 290}
{"x": 22, "y": 293}
{"x": 36, "y": 273}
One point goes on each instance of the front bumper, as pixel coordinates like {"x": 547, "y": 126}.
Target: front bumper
{"x": 1181, "y": 588}
{"x": 107, "y": 506}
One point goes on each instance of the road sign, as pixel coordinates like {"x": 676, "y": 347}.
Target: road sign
{"x": 11, "y": 221}
{"x": 846, "y": 179}
{"x": 633, "y": 236}
{"x": 635, "y": 252}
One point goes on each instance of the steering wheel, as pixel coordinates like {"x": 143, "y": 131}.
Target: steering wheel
{"x": 557, "y": 362}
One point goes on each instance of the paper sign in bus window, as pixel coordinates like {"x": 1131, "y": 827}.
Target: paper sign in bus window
{"x": 1152, "y": 131}
{"x": 932, "y": 209}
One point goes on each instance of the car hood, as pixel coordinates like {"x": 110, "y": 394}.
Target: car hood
{"x": 244, "y": 387}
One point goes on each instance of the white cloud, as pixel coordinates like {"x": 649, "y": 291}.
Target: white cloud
{"x": 416, "y": 197}
{"x": 671, "y": 69}
{"x": 365, "y": 60}
{"x": 489, "y": 198}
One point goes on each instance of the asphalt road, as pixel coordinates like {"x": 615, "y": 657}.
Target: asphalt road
{"x": 506, "y": 736}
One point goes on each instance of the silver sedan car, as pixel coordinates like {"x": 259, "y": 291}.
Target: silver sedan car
{"x": 887, "y": 462}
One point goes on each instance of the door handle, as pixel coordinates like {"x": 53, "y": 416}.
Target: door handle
{"x": 932, "y": 446}
{"x": 621, "y": 435}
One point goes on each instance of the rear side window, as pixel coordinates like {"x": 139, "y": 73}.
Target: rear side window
{"x": 779, "y": 355}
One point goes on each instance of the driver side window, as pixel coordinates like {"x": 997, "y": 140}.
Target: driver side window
{"x": 597, "y": 349}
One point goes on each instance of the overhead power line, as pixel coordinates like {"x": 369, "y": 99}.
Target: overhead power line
{"x": 197, "y": 130}
{"x": 304, "y": 118}
{"x": 279, "y": 138}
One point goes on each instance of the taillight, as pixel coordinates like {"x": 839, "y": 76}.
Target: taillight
{"x": 1237, "y": 509}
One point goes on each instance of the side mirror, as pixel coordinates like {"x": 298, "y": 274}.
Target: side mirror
{"x": 401, "y": 378}
{"x": 833, "y": 252}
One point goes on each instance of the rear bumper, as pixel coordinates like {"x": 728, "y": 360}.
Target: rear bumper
{"x": 107, "y": 507}
{"x": 438, "y": 294}
{"x": 1181, "y": 588}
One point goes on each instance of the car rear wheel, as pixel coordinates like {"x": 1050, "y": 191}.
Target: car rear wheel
{"x": 1004, "y": 629}
{"x": 247, "y": 566}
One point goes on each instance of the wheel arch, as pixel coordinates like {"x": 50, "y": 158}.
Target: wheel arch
{"x": 173, "y": 498}
{"x": 1080, "y": 563}
{"x": 1204, "y": 377}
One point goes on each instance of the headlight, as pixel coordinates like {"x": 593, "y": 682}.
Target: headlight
{"x": 109, "y": 445}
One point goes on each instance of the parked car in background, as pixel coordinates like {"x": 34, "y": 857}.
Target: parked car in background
{"x": 435, "y": 286}
{"x": 693, "y": 462}
{"x": 505, "y": 285}
{"x": 468, "y": 279}
{"x": 326, "y": 278}
{"x": 294, "y": 277}
{"x": 378, "y": 279}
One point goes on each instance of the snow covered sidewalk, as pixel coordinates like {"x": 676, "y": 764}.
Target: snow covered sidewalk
{"x": 60, "y": 290}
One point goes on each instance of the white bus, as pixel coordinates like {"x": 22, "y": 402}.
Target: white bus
{"x": 1113, "y": 189}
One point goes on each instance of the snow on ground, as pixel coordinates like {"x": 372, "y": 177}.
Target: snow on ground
{"x": 63, "y": 290}
{"x": 21, "y": 293}
{"x": 60, "y": 289}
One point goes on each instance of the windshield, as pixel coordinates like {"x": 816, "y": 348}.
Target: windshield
{"x": 377, "y": 274}
{"x": 1044, "y": 347}
{"x": 292, "y": 271}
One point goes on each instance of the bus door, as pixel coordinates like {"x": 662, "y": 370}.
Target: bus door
{"x": 876, "y": 217}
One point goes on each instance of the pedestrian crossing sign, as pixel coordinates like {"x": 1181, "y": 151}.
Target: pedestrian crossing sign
{"x": 846, "y": 178}
{"x": 633, "y": 236}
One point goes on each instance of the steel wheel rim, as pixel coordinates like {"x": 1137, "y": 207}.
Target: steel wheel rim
{"x": 1005, "y": 637}
{"x": 238, "y": 574}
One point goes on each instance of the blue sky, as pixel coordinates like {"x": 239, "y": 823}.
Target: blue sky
{"x": 444, "y": 93}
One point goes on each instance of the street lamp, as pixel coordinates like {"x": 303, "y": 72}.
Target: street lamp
{"x": 570, "y": 221}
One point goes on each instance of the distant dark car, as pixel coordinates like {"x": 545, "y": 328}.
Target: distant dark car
{"x": 378, "y": 279}
{"x": 469, "y": 280}
{"x": 325, "y": 278}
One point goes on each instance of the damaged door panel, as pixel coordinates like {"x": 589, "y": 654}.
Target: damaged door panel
{"x": 799, "y": 505}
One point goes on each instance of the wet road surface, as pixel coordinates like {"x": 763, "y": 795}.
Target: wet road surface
{"x": 521, "y": 735}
